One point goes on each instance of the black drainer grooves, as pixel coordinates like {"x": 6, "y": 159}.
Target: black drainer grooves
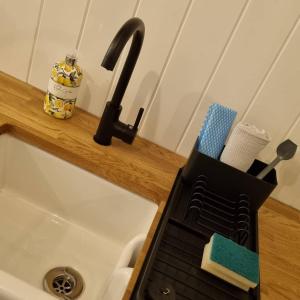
{"x": 213, "y": 213}
{"x": 207, "y": 196}
{"x": 242, "y": 220}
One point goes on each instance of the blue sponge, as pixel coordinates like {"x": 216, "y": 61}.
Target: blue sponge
{"x": 215, "y": 130}
{"x": 231, "y": 262}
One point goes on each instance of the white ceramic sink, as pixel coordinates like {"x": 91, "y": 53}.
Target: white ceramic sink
{"x": 55, "y": 214}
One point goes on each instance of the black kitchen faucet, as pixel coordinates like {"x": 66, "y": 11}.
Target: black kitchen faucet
{"x": 110, "y": 125}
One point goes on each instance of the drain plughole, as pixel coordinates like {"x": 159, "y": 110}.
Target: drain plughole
{"x": 64, "y": 283}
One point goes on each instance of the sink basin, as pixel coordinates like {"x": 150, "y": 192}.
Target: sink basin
{"x": 12, "y": 288}
{"x": 53, "y": 214}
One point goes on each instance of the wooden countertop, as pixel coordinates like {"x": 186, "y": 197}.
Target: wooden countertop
{"x": 148, "y": 170}
{"x": 143, "y": 167}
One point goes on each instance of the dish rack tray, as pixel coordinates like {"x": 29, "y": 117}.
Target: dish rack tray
{"x": 199, "y": 205}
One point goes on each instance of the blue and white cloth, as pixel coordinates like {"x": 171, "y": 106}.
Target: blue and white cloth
{"x": 215, "y": 130}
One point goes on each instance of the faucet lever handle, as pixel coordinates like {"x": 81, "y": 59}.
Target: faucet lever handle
{"x": 138, "y": 118}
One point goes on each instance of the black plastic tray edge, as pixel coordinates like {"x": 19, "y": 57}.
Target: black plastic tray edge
{"x": 144, "y": 273}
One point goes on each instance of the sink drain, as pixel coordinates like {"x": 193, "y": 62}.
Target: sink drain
{"x": 64, "y": 282}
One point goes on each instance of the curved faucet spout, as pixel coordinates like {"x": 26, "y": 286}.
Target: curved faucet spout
{"x": 110, "y": 125}
{"x": 135, "y": 27}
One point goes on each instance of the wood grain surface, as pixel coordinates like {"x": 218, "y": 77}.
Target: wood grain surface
{"x": 143, "y": 168}
{"x": 279, "y": 244}
{"x": 148, "y": 170}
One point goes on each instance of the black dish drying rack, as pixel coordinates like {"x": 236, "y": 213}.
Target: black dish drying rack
{"x": 209, "y": 212}
{"x": 198, "y": 206}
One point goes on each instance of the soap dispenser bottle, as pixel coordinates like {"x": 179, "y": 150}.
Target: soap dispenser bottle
{"x": 63, "y": 88}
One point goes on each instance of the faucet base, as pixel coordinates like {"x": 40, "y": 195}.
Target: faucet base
{"x": 111, "y": 126}
{"x": 105, "y": 129}
{"x": 102, "y": 142}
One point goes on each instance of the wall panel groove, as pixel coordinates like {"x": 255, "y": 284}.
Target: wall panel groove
{"x": 18, "y": 21}
{"x": 137, "y": 6}
{"x": 103, "y": 21}
{"x": 35, "y": 39}
{"x": 292, "y": 128}
{"x": 122, "y": 58}
{"x": 271, "y": 68}
{"x": 214, "y": 71}
{"x": 288, "y": 189}
{"x": 57, "y": 36}
{"x": 276, "y": 106}
{"x": 167, "y": 61}
{"x": 199, "y": 47}
{"x": 162, "y": 19}
{"x": 83, "y": 22}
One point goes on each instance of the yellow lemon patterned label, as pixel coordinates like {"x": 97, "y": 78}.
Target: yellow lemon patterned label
{"x": 62, "y": 90}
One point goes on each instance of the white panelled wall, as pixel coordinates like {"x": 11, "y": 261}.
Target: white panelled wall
{"x": 241, "y": 53}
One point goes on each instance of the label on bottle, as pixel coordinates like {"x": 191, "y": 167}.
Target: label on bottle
{"x": 61, "y": 91}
